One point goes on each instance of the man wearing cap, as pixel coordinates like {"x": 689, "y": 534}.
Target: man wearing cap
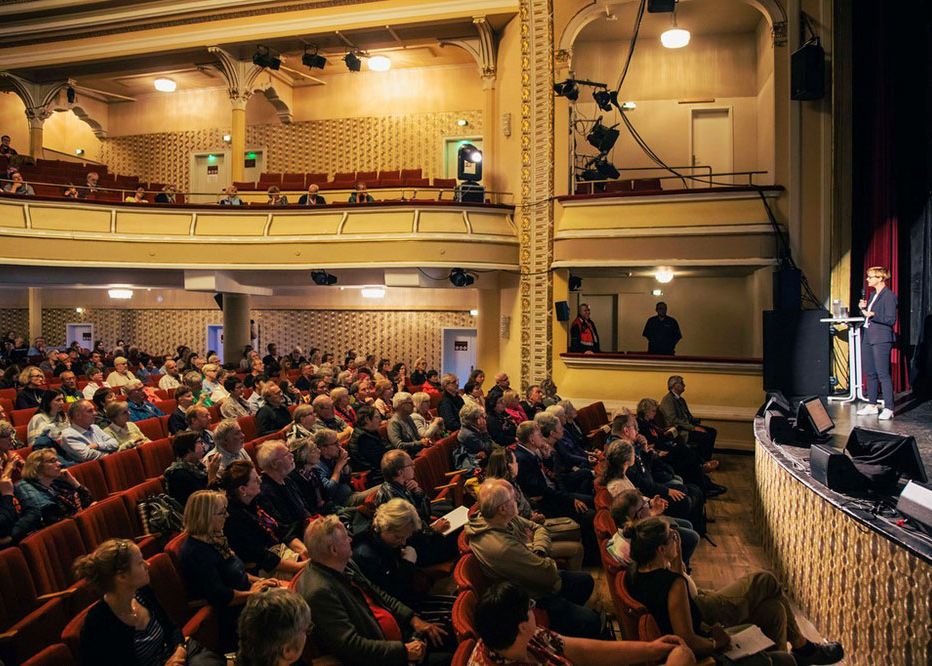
{"x": 121, "y": 375}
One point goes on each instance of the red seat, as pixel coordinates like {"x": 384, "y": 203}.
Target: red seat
{"x": 604, "y": 525}
{"x": 122, "y": 470}
{"x": 173, "y": 548}
{"x": 53, "y": 655}
{"x": 391, "y": 175}
{"x": 410, "y": 173}
{"x": 71, "y": 634}
{"x": 250, "y": 448}
{"x": 109, "y": 519}
{"x": 167, "y": 406}
{"x": 647, "y": 185}
{"x": 51, "y": 552}
{"x": 365, "y": 176}
{"x": 248, "y": 425}
{"x": 168, "y": 587}
{"x": 22, "y": 432}
{"x": 603, "y": 499}
{"x": 134, "y": 495}
{"x": 22, "y": 416}
{"x": 244, "y": 185}
{"x": 91, "y": 475}
{"x": 23, "y": 452}
{"x": 214, "y": 413}
{"x": 318, "y": 178}
{"x": 464, "y": 609}
{"x": 344, "y": 177}
{"x": 164, "y": 421}
{"x": 8, "y": 394}
{"x": 445, "y": 183}
{"x": 7, "y": 405}
{"x": 25, "y": 619}
{"x": 151, "y": 428}
{"x": 156, "y": 456}
{"x": 636, "y": 621}
{"x": 468, "y": 575}
{"x": 463, "y": 652}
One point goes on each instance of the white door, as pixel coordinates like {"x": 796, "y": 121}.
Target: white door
{"x": 215, "y": 338}
{"x": 459, "y": 352}
{"x": 603, "y": 311}
{"x": 83, "y": 334}
{"x": 712, "y": 143}
{"x": 209, "y": 176}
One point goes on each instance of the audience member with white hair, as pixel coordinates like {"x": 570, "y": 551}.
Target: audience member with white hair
{"x": 473, "y": 442}
{"x": 121, "y": 375}
{"x": 281, "y": 496}
{"x": 228, "y": 444}
{"x": 273, "y": 628}
{"x": 402, "y": 431}
{"x": 451, "y": 402}
{"x": 428, "y": 426}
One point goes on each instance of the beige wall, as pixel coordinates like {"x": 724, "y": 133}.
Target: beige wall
{"x": 13, "y": 121}
{"x": 65, "y": 132}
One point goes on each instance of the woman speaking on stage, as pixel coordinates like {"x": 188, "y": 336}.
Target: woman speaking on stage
{"x": 877, "y": 341}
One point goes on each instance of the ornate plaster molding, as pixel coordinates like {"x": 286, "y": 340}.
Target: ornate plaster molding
{"x": 240, "y": 76}
{"x": 38, "y": 98}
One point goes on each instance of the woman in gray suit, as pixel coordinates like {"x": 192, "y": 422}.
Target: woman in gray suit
{"x": 878, "y": 337}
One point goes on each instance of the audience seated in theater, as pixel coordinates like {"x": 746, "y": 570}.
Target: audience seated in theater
{"x": 354, "y": 620}
{"x": 166, "y": 196}
{"x": 674, "y": 412}
{"x": 366, "y": 448}
{"x": 473, "y": 444}
{"x": 140, "y": 408}
{"x": 210, "y": 568}
{"x": 178, "y": 419}
{"x": 313, "y": 197}
{"x": 290, "y": 395}
{"x": 257, "y": 369}
{"x": 451, "y": 402}
{"x": 83, "y": 439}
{"x": 32, "y": 383}
{"x": 230, "y": 197}
{"x": 306, "y": 456}
{"x": 121, "y": 375}
{"x": 47, "y": 493}
{"x": 361, "y": 195}
{"x": 50, "y": 420}
{"x": 399, "y": 377}
{"x": 533, "y": 404}
{"x": 472, "y": 394}
{"x": 658, "y": 580}
{"x": 399, "y": 482}
{"x": 19, "y": 186}
{"x": 384, "y": 390}
{"x": 513, "y": 406}
{"x": 171, "y": 379}
{"x": 402, "y": 431}
{"x": 234, "y": 406}
{"x": 383, "y": 370}
{"x": 419, "y": 372}
{"x": 327, "y": 420}
{"x": 255, "y": 400}
{"x": 6, "y": 149}
{"x": 271, "y": 361}
{"x": 478, "y": 376}
{"x": 194, "y": 380}
{"x": 306, "y": 381}
{"x": 281, "y": 496}
{"x": 90, "y": 188}
{"x": 341, "y": 405}
{"x": 564, "y": 532}
{"x": 273, "y": 416}
{"x": 270, "y": 548}
{"x": 50, "y": 361}
{"x": 549, "y": 394}
{"x": 573, "y": 468}
{"x": 430, "y": 427}
{"x": 209, "y": 383}
{"x": 511, "y": 548}
{"x": 121, "y": 428}
{"x": 273, "y": 628}
{"x": 509, "y": 636}
{"x": 11, "y": 466}
{"x": 188, "y": 473}
{"x": 276, "y": 198}
{"x": 302, "y": 425}
{"x": 128, "y": 626}
{"x": 501, "y": 425}
{"x": 431, "y": 385}
{"x": 228, "y": 441}
{"x": 502, "y": 384}
{"x": 334, "y": 470}
{"x": 69, "y": 386}
{"x": 138, "y": 196}
{"x": 102, "y": 398}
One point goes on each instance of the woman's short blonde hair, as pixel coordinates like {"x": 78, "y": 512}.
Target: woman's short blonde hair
{"x": 420, "y": 398}
{"x": 338, "y": 393}
{"x": 200, "y": 510}
{"x": 301, "y": 411}
{"x": 880, "y": 271}
{"x": 24, "y": 375}
{"x": 382, "y": 385}
{"x": 34, "y": 460}
{"x": 396, "y": 515}
{"x": 510, "y": 398}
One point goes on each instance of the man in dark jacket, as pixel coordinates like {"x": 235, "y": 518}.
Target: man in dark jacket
{"x": 584, "y": 338}
{"x": 273, "y": 415}
{"x": 366, "y": 447}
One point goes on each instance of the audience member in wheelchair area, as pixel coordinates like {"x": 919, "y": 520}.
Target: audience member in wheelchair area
{"x": 128, "y": 626}
{"x": 509, "y": 635}
{"x": 511, "y": 548}
{"x": 273, "y": 628}
{"x": 355, "y": 620}
{"x": 619, "y": 457}
{"x": 657, "y": 578}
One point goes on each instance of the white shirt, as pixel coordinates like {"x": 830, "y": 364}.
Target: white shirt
{"x": 91, "y": 388}
{"x": 90, "y": 444}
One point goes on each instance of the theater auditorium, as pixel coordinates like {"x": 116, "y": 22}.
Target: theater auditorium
{"x": 527, "y": 332}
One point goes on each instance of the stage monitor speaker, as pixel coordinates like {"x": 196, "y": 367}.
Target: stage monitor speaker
{"x": 915, "y": 502}
{"x": 787, "y": 289}
{"x": 812, "y": 419}
{"x": 898, "y": 452}
{"x": 834, "y": 469}
{"x": 797, "y": 352}
{"x": 563, "y": 310}
{"x": 776, "y": 402}
{"x": 807, "y": 72}
{"x": 780, "y": 428}
{"x": 219, "y": 299}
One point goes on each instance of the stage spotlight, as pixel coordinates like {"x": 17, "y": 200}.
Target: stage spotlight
{"x": 313, "y": 60}
{"x": 263, "y": 58}
{"x": 379, "y": 63}
{"x": 605, "y": 99}
{"x": 575, "y": 283}
{"x": 460, "y": 278}
{"x": 606, "y": 170}
{"x": 323, "y": 278}
{"x": 568, "y": 89}
{"x": 602, "y": 138}
{"x": 71, "y": 95}
{"x": 353, "y": 63}
{"x": 469, "y": 163}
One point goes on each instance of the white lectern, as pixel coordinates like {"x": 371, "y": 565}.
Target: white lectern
{"x": 855, "y": 389}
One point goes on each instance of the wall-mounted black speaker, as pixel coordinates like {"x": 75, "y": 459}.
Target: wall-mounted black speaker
{"x": 807, "y": 71}
{"x": 916, "y": 502}
{"x": 218, "y": 298}
{"x": 563, "y": 310}
{"x": 834, "y": 469}
{"x": 797, "y": 352}
{"x": 660, "y": 6}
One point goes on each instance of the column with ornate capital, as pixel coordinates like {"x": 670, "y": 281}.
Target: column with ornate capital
{"x": 39, "y": 100}
{"x": 240, "y": 76}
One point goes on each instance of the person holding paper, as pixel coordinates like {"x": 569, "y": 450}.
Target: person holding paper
{"x": 658, "y": 581}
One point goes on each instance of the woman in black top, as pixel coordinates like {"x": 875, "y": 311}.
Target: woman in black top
{"x": 32, "y": 380}
{"x": 187, "y": 474}
{"x": 451, "y": 402}
{"x": 254, "y": 535}
{"x": 657, "y": 578}
{"x": 102, "y": 397}
{"x": 128, "y": 627}
{"x": 178, "y": 420}
{"x": 502, "y": 428}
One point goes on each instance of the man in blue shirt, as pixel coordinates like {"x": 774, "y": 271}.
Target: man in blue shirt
{"x": 140, "y": 409}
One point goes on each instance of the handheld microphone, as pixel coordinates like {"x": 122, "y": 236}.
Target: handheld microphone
{"x": 863, "y": 293}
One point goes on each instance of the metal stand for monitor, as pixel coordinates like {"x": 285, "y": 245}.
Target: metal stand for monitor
{"x": 855, "y": 389}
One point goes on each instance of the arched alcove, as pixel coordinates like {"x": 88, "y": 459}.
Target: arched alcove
{"x": 70, "y": 129}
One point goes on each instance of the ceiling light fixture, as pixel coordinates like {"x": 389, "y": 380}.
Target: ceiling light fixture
{"x": 628, "y": 106}
{"x": 121, "y": 294}
{"x": 664, "y": 275}
{"x": 264, "y": 58}
{"x": 373, "y": 292}
{"x": 165, "y": 85}
{"x": 79, "y": 151}
{"x": 353, "y": 63}
{"x": 462, "y": 122}
{"x": 380, "y": 63}
{"x": 568, "y": 89}
{"x": 474, "y": 313}
{"x": 675, "y": 37}
{"x": 227, "y": 138}
{"x": 656, "y": 292}
{"x": 313, "y": 60}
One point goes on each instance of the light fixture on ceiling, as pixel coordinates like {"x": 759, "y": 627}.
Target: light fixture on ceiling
{"x": 474, "y": 313}
{"x": 664, "y": 274}
{"x": 263, "y": 58}
{"x": 462, "y": 122}
{"x": 353, "y": 63}
{"x": 79, "y": 151}
{"x": 372, "y": 292}
{"x": 568, "y": 89}
{"x": 323, "y": 278}
{"x": 165, "y": 85}
{"x": 228, "y": 138}
{"x": 379, "y": 63}
{"x": 628, "y": 106}
{"x": 79, "y": 310}
{"x": 313, "y": 60}
{"x": 675, "y": 37}
{"x": 602, "y": 138}
{"x": 120, "y": 294}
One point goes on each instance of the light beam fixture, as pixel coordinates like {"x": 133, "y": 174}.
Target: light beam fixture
{"x": 568, "y": 89}
{"x": 120, "y": 294}
{"x": 323, "y": 278}
{"x": 313, "y": 60}
{"x": 264, "y": 58}
{"x": 379, "y": 63}
{"x": 460, "y": 278}
{"x": 353, "y": 63}
{"x": 664, "y": 275}
{"x": 165, "y": 85}
{"x": 675, "y": 37}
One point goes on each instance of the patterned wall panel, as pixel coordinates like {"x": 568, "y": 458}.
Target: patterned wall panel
{"x": 15, "y": 319}
{"x": 343, "y": 144}
{"x": 402, "y": 335}
{"x": 853, "y": 584}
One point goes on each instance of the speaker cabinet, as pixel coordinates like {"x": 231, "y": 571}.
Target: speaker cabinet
{"x": 797, "y": 352}
{"x": 834, "y": 469}
{"x": 563, "y": 310}
{"x": 915, "y": 502}
{"x": 807, "y": 72}
{"x": 788, "y": 289}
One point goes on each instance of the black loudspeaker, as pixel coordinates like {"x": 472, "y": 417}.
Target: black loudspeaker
{"x": 775, "y": 402}
{"x": 779, "y": 428}
{"x": 563, "y": 310}
{"x": 915, "y": 502}
{"x": 807, "y": 72}
{"x": 797, "y": 352}
{"x": 660, "y": 6}
{"x": 834, "y": 469}
{"x": 787, "y": 289}
{"x": 219, "y": 300}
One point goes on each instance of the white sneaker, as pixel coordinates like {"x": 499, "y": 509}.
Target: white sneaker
{"x": 886, "y": 415}
{"x": 867, "y": 410}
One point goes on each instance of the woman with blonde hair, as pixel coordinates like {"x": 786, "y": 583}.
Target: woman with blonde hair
{"x": 47, "y": 493}
{"x": 303, "y": 419}
{"x": 428, "y": 426}
{"x": 341, "y": 404}
{"x": 419, "y": 372}
{"x": 384, "y": 390}
{"x": 513, "y": 408}
{"x": 124, "y": 431}
{"x": 32, "y": 386}
{"x": 878, "y": 338}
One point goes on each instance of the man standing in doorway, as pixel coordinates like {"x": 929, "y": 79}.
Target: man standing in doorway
{"x": 662, "y": 332}
{"x": 584, "y": 338}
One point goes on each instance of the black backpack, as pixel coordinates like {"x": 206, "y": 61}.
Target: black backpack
{"x": 161, "y": 514}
